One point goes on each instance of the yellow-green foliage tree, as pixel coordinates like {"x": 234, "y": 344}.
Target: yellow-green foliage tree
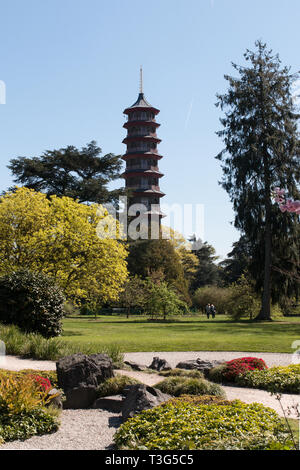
{"x": 183, "y": 248}
{"x": 59, "y": 236}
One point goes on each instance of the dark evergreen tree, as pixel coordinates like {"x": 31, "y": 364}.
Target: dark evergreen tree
{"x": 237, "y": 261}
{"x": 262, "y": 151}
{"x": 77, "y": 173}
{"x": 207, "y": 272}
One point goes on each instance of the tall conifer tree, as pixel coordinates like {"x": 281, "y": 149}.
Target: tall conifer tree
{"x": 262, "y": 151}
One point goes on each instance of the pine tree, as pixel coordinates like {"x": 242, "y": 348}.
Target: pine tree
{"x": 262, "y": 151}
{"x": 81, "y": 174}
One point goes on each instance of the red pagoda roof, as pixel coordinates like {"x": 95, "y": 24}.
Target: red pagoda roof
{"x": 141, "y": 104}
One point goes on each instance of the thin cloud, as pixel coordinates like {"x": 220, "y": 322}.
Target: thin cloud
{"x": 188, "y": 114}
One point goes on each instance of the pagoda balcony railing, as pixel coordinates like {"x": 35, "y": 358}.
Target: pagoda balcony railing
{"x": 143, "y": 133}
{"x": 144, "y": 187}
{"x": 141, "y": 148}
{"x": 141, "y": 117}
{"x": 140, "y": 167}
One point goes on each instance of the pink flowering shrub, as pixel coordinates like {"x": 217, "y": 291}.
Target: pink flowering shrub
{"x": 286, "y": 205}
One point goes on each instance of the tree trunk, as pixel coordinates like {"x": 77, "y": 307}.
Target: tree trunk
{"x": 265, "y": 312}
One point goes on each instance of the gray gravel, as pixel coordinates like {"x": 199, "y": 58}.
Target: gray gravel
{"x": 79, "y": 430}
{"x": 271, "y": 359}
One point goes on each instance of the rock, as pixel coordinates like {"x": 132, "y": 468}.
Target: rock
{"x": 113, "y": 403}
{"x": 56, "y": 398}
{"x": 79, "y": 376}
{"x": 202, "y": 366}
{"x": 80, "y": 397}
{"x": 159, "y": 364}
{"x": 135, "y": 366}
{"x": 141, "y": 397}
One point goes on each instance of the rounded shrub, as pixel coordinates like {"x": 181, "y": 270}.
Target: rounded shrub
{"x": 182, "y": 425}
{"x": 200, "y": 400}
{"x": 33, "y": 302}
{"x": 115, "y": 385}
{"x": 216, "y": 374}
{"x": 279, "y": 379}
{"x": 23, "y": 413}
{"x": 177, "y": 386}
{"x": 241, "y": 365}
{"x": 231, "y": 370}
{"x": 195, "y": 374}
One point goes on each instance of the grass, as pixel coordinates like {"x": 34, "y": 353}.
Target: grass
{"x": 294, "y": 425}
{"x": 35, "y": 346}
{"x": 194, "y": 333}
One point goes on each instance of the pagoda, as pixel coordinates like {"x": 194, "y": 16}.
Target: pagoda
{"x": 142, "y": 174}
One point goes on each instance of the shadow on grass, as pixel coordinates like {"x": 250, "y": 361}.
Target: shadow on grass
{"x": 72, "y": 333}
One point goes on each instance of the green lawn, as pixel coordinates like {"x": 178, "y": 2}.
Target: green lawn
{"x": 182, "y": 334}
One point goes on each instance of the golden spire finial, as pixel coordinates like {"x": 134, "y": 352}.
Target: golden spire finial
{"x": 141, "y": 79}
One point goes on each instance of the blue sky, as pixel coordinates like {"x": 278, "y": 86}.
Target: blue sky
{"x": 72, "y": 66}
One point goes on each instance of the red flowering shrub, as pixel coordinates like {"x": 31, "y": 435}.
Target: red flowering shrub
{"x": 242, "y": 365}
{"x": 42, "y": 383}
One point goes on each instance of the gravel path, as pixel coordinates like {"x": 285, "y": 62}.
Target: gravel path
{"x": 79, "y": 430}
{"x": 271, "y": 359}
{"x": 94, "y": 429}
{"x": 247, "y": 395}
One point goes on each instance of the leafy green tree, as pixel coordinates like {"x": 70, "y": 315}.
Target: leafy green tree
{"x": 262, "y": 152}
{"x": 163, "y": 300}
{"x": 134, "y": 294}
{"x": 242, "y": 301}
{"x": 152, "y": 256}
{"x": 218, "y": 296}
{"x": 183, "y": 248}
{"x": 81, "y": 174}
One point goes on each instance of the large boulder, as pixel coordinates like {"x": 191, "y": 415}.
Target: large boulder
{"x": 113, "y": 403}
{"x": 199, "y": 364}
{"x": 141, "y": 397}
{"x": 79, "y": 376}
{"x": 159, "y": 364}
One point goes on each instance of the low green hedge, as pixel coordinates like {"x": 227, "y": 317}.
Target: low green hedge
{"x": 177, "y": 386}
{"x": 281, "y": 379}
{"x": 180, "y": 425}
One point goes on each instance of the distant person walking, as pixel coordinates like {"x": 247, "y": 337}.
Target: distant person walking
{"x": 213, "y": 310}
{"x": 207, "y": 309}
